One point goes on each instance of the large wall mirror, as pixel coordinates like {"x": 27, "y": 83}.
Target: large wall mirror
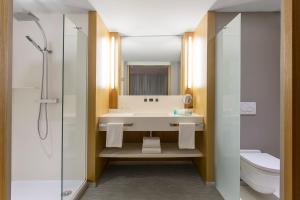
{"x": 150, "y": 65}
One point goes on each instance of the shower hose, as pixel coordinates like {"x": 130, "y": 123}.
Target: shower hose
{"x": 43, "y": 107}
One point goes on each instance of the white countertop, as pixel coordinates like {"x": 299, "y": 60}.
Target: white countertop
{"x": 145, "y": 114}
{"x": 147, "y": 121}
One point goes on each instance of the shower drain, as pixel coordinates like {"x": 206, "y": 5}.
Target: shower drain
{"x": 66, "y": 193}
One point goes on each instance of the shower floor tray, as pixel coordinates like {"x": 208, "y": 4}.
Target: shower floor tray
{"x": 45, "y": 190}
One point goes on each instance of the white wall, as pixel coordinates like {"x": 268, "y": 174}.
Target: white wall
{"x": 165, "y": 104}
{"x": 31, "y": 158}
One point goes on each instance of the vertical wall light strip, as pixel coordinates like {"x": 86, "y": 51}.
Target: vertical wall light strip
{"x": 112, "y": 53}
{"x": 190, "y": 63}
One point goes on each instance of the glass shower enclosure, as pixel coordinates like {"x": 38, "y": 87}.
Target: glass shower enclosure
{"x": 74, "y": 106}
{"x": 49, "y": 145}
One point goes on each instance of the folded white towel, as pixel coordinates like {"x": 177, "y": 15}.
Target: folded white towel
{"x": 186, "y": 137}
{"x": 114, "y": 135}
{"x": 151, "y": 150}
{"x": 151, "y": 142}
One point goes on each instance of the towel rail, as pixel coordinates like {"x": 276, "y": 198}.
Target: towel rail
{"x": 104, "y": 125}
{"x": 177, "y": 124}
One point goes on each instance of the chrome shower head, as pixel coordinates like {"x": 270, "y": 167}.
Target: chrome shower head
{"x": 25, "y": 16}
{"x": 34, "y": 43}
{"x": 28, "y": 16}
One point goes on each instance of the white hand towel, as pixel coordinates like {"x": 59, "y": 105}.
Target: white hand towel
{"x": 114, "y": 135}
{"x": 186, "y": 137}
{"x": 151, "y": 142}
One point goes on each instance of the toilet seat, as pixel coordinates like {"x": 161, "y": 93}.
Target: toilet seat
{"x": 260, "y": 171}
{"x": 262, "y": 161}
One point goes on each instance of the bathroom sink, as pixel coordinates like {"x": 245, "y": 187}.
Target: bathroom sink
{"x": 116, "y": 114}
{"x": 146, "y": 114}
{"x": 150, "y": 121}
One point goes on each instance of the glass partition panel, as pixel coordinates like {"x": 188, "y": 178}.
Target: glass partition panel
{"x": 74, "y": 107}
{"x": 227, "y": 132}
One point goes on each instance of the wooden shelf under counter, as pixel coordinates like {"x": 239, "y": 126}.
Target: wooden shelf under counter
{"x": 134, "y": 150}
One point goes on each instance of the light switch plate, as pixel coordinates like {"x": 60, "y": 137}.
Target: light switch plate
{"x": 248, "y": 108}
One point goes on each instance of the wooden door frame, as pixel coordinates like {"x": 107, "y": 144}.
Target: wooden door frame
{"x": 5, "y": 97}
{"x": 290, "y": 100}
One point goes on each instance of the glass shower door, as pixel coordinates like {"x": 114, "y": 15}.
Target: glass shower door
{"x": 74, "y": 108}
{"x": 227, "y": 128}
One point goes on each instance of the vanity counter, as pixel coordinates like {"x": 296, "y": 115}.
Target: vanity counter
{"x": 150, "y": 121}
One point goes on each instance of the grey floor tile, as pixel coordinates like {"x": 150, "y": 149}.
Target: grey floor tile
{"x": 151, "y": 182}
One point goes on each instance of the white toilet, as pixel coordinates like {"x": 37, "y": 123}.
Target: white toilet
{"x": 260, "y": 171}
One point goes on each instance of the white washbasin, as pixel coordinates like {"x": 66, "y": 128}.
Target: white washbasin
{"x": 145, "y": 114}
{"x": 137, "y": 114}
{"x": 116, "y": 114}
{"x": 152, "y": 114}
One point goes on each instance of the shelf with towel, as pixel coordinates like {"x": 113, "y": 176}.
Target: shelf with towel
{"x": 134, "y": 150}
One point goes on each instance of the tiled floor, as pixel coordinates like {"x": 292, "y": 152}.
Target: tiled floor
{"x": 151, "y": 182}
{"x": 159, "y": 182}
{"x": 249, "y": 194}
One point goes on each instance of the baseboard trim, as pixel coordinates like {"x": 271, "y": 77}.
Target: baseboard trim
{"x": 93, "y": 184}
{"x": 211, "y": 183}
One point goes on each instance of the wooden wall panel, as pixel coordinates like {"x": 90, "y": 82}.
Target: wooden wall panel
{"x": 91, "y": 95}
{"x": 98, "y": 97}
{"x": 291, "y": 100}
{"x": 296, "y": 99}
{"x": 210, "y": 109}
{"x": 286, "y": 182}
{"x": 5, "y": 96}
{"x": 204, "y": 91}
{"x": 92, "y": 46}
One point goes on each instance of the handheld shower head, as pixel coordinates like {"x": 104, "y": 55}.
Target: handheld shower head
{"x": 25, "y": 16}
{"x": 28, "y": 16}
{"x": 34, "y": 43}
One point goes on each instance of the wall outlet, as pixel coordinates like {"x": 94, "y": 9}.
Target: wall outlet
{"x": 248, "y": 108}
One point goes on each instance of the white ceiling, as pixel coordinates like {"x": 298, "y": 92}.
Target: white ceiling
{"x": 164, "y": 17}
{"x": 154, "y": 49}
{"x": 151, "y": 17}
{"x": 50, "y": 6}
{"x": 247, "y": 5}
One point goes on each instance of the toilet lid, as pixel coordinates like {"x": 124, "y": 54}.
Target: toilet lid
{"x": 262, "y": 161}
